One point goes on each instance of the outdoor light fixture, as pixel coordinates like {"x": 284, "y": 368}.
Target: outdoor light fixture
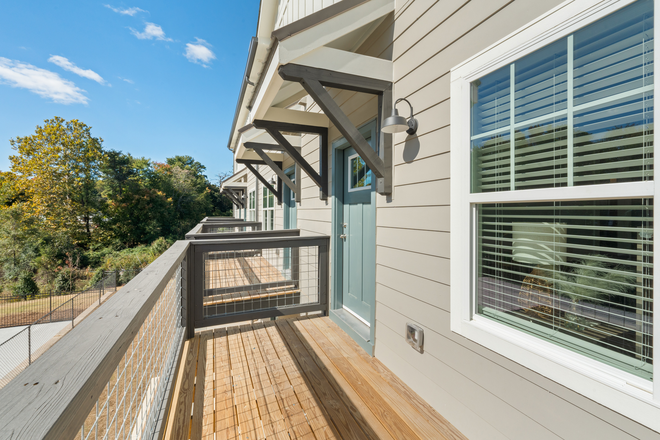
{"x": 398, "y": 124}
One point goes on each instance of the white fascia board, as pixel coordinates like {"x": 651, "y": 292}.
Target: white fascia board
{"x": 323, "y": 33}
{"x": 348, "y": 62}
{"x": 296, "y": 117}
{"x": 271, "y": 85}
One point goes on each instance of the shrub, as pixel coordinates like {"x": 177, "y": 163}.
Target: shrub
{"x": 96, "y": 277}
{"x": 26, "y": 286}
{"x": 65, "y": 281}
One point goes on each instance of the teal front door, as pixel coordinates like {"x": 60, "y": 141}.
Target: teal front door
{"x": 358, "y": 236}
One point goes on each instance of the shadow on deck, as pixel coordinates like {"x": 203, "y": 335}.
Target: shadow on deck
{"x": 293, "y": 378}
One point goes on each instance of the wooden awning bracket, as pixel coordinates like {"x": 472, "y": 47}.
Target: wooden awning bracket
{"x": 259, "y": 149}
{"x": 249, "y": 165}
{"x": 275, "y": 129}
{"x": 234, "y": 197}
{"x": 314, "y": 80}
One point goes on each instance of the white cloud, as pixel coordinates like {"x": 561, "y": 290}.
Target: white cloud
{"x": 199, "y": 52}
{"x": 43, "y": 82}
{"x": 130, "y": 81}
{"x": 126, "y": 11}
{"x": 151, "y": 32}
{"x": 68, "y": 65}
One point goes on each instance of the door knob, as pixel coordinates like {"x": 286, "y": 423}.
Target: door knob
{"x": 343, "y": 236}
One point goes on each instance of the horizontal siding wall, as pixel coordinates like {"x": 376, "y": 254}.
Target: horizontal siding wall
{"x": 293, "y": 10}
{"x": 483, "y": 394}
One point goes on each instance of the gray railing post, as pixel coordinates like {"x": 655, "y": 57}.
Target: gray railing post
{"x": 50, "y": 297}
{"x": 29, "y": 345}
{"x": 72, "y": 325}
{"x": 324, "y": 277}
{"x": 191, "y": 292}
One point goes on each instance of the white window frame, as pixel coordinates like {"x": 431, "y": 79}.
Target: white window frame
{"x": 625, "y": 393}
{"x": 350, "y": 168}
{"x": 252, "y": 208}
{"x": 266, "y": 209}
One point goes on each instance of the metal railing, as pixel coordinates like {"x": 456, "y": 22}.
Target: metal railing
{"x": 253, "y": 278}
{"x": 17, "y": 311}
{"x": 28, "y": 343}
{"x": 220, "y": 219}
{"x": 223, "y": 227}
{"x": 111, "y": 376}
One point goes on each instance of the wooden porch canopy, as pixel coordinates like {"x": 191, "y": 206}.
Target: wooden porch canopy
{"x": 307, "y": 57}
{"x": 235, "y": 188}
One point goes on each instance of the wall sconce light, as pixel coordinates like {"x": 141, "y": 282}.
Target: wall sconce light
{"x": 273, "y": 179}
{"x": 398, "y": 124}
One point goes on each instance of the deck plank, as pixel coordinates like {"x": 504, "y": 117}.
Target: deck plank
{"x": 294, "y": 378}
{"x": 208, "y": 425}
{"x": 271, "y": 415}
{"x": 409, "y": 413}
{"x": 249, "y": 424}
{"x": 294, "y": 416}
{"x": 427, "y": 411}
{"x": 340, "y": 415}
{"x": 225, "y": 410}
{"x": 181, "y": 417}
{"x": 315, "y": 413}
{"x": 359, "y": 408}
{"x": 198, "y": 391}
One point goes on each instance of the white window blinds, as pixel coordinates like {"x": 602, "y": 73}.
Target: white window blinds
{"x": 579, "y": 111}
{"x": 582, "y": 110}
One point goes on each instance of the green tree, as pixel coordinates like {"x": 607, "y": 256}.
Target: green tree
{"x": 57, "y": 168}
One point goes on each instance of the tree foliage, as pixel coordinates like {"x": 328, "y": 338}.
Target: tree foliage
{"x": 56, "y": 169}
{"x": 67, "y": 203}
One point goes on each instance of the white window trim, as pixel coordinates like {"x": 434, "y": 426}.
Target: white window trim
{"x": 350, "y": 188}
{"x": 250, "y": 210}
{"x": 629, "y": 395}
{"x": 266, "y": 209}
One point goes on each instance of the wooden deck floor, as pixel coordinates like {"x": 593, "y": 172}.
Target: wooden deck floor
{"x": 296, "y": 378}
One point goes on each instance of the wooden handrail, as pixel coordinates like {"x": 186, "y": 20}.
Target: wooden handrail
{"x": 52, "y": 398}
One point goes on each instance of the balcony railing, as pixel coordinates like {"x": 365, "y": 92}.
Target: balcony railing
{"x": 221, "y": 227}
{"x": 111, "y": 376}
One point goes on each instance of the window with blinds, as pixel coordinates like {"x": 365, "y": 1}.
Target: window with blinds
{"x": 576, "y": 112}
{"x": 579, "y": 111}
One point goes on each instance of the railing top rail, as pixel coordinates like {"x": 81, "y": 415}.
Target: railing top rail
{"x": 261, "y": 243}
{"x": 64, "y": 381}
{"x": 196, "y": 230}
{"x": 243, "y": 234}
{"x": 221, "y": 219}
{"x": 230, "y": 224}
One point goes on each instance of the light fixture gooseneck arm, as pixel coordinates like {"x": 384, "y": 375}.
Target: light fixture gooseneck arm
{"x": 404, "y": 99}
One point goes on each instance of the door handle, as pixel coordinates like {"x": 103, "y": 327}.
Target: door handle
{"x": 343, "y": 236}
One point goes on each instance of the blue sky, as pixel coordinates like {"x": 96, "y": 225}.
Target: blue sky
{"x": 151, "y": 78}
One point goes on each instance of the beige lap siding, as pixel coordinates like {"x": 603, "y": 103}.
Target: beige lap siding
{"x": 483, "y": 394}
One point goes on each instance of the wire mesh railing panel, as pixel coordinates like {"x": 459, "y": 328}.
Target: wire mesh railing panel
{"x": 14, "y": 356}
{"x": 129, "y": 405}
{"x": 245, "y": 281}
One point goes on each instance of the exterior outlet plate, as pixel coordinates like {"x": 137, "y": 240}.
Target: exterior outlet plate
{"x": 415, "y": 336}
